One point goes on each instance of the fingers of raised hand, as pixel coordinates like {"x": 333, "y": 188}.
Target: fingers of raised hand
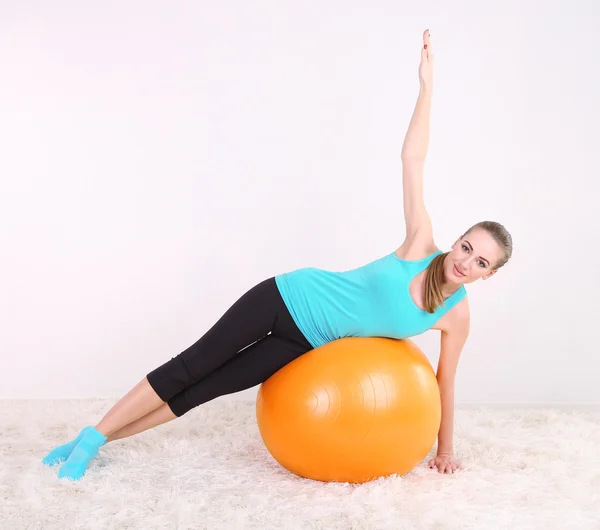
{"x": 427, "y": 45}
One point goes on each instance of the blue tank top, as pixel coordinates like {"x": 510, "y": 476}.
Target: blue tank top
{"x": 370, "y": 301}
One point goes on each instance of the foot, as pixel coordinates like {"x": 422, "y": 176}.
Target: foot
{"x": 76, "y": 465}
{"x": 62, "y": 452}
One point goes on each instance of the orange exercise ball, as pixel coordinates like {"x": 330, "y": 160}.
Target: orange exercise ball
{"x": 352, "y": 410}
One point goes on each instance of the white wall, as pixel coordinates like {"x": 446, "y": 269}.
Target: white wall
{"x": 158, "y": 159}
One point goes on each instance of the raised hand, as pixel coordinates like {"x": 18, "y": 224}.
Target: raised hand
{"x": 426, "y": 66}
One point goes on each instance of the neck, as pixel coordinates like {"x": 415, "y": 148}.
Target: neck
{"x": 449, "y": 288}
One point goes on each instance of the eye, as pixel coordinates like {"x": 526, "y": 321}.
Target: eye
{"x": 481, "y": 263}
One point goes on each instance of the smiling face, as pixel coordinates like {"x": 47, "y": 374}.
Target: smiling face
{"x": 474, "y": 255}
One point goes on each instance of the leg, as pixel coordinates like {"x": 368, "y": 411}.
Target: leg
{"x": 246, "y": 369}
{"x": 140, "y": 401}
{"x": 249, "y": 368}
{"x": 192, "y": 377}
{"x": 252, "y": 317}
{"x": 161, "y": 415}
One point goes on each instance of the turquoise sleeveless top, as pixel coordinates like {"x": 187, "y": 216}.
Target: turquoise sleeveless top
{"x": 370, "y": 301}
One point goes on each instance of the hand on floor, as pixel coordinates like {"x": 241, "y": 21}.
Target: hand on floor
{"x": 445, "y": 463}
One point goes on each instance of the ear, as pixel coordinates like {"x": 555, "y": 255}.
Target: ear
{"x": 488, "y": 276}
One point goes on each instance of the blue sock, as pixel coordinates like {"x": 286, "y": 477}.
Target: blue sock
{"x": 62, "y": 452}
{"x": 75, "y": 466}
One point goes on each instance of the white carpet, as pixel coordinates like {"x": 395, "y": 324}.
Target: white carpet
{"x": 523, "y": 469}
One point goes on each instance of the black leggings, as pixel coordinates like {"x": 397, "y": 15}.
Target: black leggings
{"x": 253, "y": 339}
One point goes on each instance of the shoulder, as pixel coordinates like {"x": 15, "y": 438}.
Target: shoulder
{"x": 457, "y": 320}
{"x": 460, "y": 316}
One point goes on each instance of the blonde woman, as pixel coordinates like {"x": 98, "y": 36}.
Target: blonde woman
{"x": 415, "y": 288}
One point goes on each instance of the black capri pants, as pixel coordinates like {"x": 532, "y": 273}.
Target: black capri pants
{"x": 253, "y": 339}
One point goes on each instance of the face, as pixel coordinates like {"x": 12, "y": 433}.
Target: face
{"x": 474, "y": 255}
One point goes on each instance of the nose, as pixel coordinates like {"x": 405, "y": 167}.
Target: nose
{"x": 463, "y": 266}
{"x": 467, "y": 264}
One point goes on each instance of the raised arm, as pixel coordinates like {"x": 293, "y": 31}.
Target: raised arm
{"x": 414, "y": 149}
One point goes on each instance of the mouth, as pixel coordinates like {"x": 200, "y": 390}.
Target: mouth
{"x": 458, "y": 273}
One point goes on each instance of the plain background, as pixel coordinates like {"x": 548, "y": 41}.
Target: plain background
{"x": 158, "y": 159}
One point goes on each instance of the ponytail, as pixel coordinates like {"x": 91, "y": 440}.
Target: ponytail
{"x": 434, "y": 281}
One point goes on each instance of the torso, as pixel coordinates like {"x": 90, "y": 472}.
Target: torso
{"x": 415, "y": 250}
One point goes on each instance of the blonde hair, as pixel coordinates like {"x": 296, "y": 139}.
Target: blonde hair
{"x": 434, "y": 278}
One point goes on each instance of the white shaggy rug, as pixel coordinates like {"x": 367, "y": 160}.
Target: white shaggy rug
{"x": 523, "y": 469}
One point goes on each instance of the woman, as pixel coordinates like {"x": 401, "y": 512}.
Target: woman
{"x": 405, "y": 293}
